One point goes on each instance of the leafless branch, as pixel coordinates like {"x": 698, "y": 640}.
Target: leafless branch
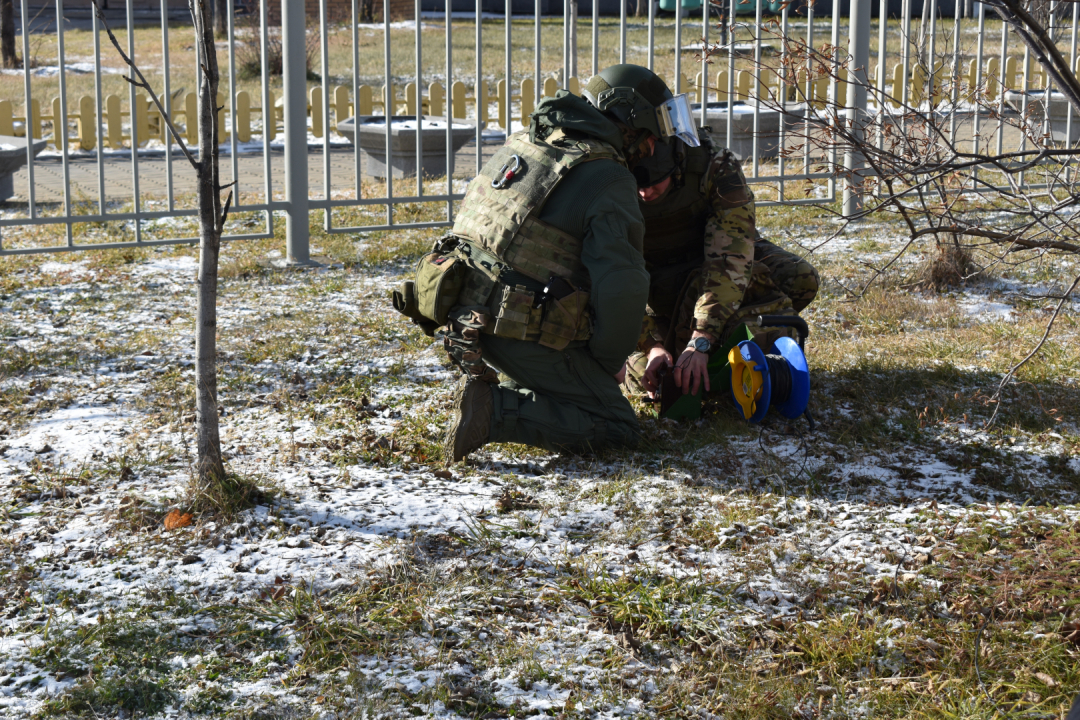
{"x": 1034, "y": 351}
{"x": 1034, "y": 35}
{"x": 142, "y": 83}
{"x": 1012, "y": 204}
{"x": 225, "y": 212}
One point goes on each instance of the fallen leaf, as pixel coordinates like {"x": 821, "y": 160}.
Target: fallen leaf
{"x": 444, "y": 474}
{"x": 930, "y": 644}
{"x": 1045, "y": 679}
{"x": 176, "y": 519}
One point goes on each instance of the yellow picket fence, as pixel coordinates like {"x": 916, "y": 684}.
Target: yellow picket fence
{"x": 116, "y": 118}
{"x": 116, "y": 121}
{"x": 992, "y": 79}
{"x": 148, "y": 125}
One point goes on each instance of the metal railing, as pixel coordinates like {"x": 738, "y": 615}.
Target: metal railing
{"x": 740, "y": 76}
{"x": 98, "y": 210}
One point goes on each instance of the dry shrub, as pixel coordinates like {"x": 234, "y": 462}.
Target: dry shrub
{"x": 224, "y": 496}
{"x": 952, "y": 266}
{"x": 249, "y": 61}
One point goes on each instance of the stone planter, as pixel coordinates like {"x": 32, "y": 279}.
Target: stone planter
{"x": 1058, "y": 112}
{"x": 368, "y": 132}
{"x": 742, "y": 130}
{"x": 12, "y": 158}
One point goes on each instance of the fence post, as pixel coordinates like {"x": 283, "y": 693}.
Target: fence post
{"x": 294, "y": 50}
{"x": 859, "y": 48}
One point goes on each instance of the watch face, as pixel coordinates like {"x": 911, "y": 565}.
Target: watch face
{"x": 702, "y": 345}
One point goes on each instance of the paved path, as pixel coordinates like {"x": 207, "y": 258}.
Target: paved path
{"x": 153, "y": 175}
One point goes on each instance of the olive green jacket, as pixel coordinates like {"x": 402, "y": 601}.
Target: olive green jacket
{"x": 597, "y": 202}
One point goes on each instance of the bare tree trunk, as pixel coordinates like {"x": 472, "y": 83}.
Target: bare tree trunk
{"x": 641, "y": 9}
{"x": 1040, "y": 10}
{"x": 1045, "y": 50}
{"x": 7, "y": 34}
{"x": 210, "y": 466}
{"x": 221, "y": 18}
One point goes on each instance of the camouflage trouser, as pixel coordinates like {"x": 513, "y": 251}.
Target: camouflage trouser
{"x": 764, "y": 296}
{"x": 793, "y": 275}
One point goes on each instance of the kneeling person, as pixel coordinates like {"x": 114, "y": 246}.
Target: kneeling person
{"x": 709, "y": 268}
{"x": 550, "y": 233}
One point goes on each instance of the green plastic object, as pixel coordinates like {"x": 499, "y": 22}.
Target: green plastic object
{"x": 688, "y": 407}
{"x": 749, "y": 7}
{"x": 669, "y": 5}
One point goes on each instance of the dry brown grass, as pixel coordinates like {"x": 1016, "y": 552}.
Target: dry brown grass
{"x": 951, "y": 266}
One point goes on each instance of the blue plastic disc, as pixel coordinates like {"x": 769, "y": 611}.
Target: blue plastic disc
{"x": 799, "y": 397}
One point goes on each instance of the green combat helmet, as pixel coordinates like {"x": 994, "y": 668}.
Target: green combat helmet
{"x": 638, "y": 98}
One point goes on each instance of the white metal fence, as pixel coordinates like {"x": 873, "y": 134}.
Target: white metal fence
{"x": 109, "y": 178}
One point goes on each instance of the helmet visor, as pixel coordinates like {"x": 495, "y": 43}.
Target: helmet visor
{"x": 676, "y": 120}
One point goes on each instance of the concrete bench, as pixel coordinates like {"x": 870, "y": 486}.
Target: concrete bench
{"x": 12, "y": 158}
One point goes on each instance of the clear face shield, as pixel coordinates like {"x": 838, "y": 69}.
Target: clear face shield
{"x": 676, "y": 120}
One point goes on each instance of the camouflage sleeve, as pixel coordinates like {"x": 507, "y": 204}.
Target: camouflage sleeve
{"x": 651, "y": 333}
{"x": 729, "y": 244}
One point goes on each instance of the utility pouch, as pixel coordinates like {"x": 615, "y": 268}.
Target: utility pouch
{"x": 514, "y": 312}
{"x": 434, "y": 289}
{"x": 438, "y": 283}
{"x": 565, "y": 314}
{"x": 405, "y": 302}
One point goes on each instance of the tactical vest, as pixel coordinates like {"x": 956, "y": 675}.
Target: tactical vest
{"x": 503, "y": 220}
{"x": 675, "y": 225}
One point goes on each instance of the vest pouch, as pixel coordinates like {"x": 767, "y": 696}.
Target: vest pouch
{"x": 438, "y": 283}
{"x": 404, "y": 299}
{"x": 514, "y": 313}
{"x": 565, "y": 318}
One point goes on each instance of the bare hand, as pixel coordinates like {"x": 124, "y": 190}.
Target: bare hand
{"x": 621, "y": 375}
{"x": 659, "y": 358}
{"x": 691, "y": 369}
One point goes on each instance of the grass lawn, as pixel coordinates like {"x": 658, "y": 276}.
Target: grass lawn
{"x": 902, "y": 561}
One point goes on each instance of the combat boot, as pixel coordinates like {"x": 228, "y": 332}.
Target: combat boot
{"x": 473, "y": 406}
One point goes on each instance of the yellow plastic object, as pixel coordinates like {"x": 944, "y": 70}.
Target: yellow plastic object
{"x": 746, "y": 382}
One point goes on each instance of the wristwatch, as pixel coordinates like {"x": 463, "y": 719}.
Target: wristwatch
{"x": 700, "y": 344}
